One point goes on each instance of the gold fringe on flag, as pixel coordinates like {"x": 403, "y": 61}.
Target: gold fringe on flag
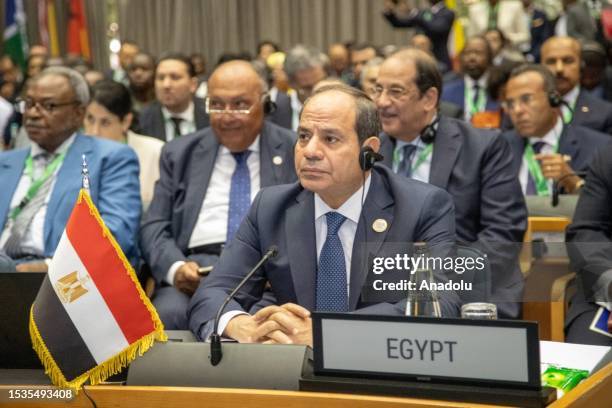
{"x": 122, "y": 359}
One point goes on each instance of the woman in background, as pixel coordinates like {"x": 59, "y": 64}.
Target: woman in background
{"x": 109, "y": 115}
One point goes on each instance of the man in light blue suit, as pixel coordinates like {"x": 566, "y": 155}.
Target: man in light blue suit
{"x": 40, "y": 184}
{"x": 321, "y": 226}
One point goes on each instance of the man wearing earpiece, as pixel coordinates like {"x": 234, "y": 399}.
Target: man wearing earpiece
{"x": 320, "y": 226}
{"x": 544, "y": 148}
{"x": 473, "y": 165}
{"x": 562, "y": 56}
{"x": 207, "y": 182}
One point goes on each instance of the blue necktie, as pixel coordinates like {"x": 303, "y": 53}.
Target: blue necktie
{"x": 405, "y": 166}
{"x": 240, "y": 194}
{"x": 332, "y": 294}
{"x": 531, "y": 187}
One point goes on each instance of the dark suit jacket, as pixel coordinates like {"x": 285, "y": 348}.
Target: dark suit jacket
{"x": 454, "y": 92}
{"x": 283, "y": 114}
{"x": 588, "y": 238}
{"x": 540, "y": 31}
{"x": 151, "y": 119}
{"x": 593, "y": 113}
{"x": 186, "y": 165}
{"x": 475, "y": 167}
{"x": 436, "y": 26}
{"x": 284, "y": 216}
{"x": 578, "y": 142}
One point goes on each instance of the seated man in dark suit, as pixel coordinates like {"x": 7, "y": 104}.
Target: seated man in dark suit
{"x": 539, "y": 28}
{"x": 40, "y": 184}
{"x": 207, "y": 181}
{"x": 320, "y": 226}
{"x": 470, "y": 91}
{"x": 473, "y": 165}
{"x": 562, "y": 56}
{"x": 177, "y": 111}
{"x": 590, "y": 250}
{"x": 435, "y": 22}
{"x": 544, "y": 149}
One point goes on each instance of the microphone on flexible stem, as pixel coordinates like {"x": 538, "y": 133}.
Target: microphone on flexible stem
{"x": 215, "y": 339}
{"x": 554, "y": 200}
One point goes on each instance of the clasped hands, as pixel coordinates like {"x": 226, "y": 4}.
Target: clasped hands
{"x": 286, "y": 324}
{"x": 556, "y": 167}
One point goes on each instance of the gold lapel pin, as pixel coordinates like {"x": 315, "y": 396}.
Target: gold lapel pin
{"x": 585, "y": 109}
{"x": 380, "y": 225}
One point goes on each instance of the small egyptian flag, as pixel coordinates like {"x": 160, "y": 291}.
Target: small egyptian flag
{"x": 90, "y": 318}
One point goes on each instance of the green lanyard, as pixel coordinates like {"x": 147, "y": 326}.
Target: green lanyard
{"x": 36, "y": 184}
{"x": 480, "y": 103}
{"x": 492, "y": 24}
{"x": 535, "y": 170}
{"x": 423, "y": 156}
{"x": 568, "y": 113}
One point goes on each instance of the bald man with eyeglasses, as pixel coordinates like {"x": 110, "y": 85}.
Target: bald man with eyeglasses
{"x": 207, "y": 181}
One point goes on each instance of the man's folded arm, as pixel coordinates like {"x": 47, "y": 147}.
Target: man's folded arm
{"x": 119, "y": 198}
{"x": 238, "y": 258}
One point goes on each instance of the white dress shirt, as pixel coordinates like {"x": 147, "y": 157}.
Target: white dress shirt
{"x": 351, "y": 209}
{"x": 187, "y": 125}
{"x": 421, "y": 173}
{"x": 570, "y": 98}
{"x": 551, "y": 139}
{"x": 296, "y": 108}
{"x": 211, "y": 226}
{"x": 469, "y": 92}
{"x": 33, "y": 241}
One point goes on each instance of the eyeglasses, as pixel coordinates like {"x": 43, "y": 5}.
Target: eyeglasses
{"x": 217, "y": 107}
{"x": 523, "y": 100}
{"x": 24, "y": 105}
{"x": 395, "y": 92}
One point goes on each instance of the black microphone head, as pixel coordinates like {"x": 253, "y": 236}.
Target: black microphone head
{"x": 273, "y": 251}
{"x": 555, "y": 194}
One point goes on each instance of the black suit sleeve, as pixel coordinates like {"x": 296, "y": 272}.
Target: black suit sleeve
{"x": 439, "y": 24}
{"x": 589, "y": 240}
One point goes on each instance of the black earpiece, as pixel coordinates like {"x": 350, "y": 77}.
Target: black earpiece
{"x": 554, "y": 99}
{"x": 367, "y": 158}
{"x": 269, "y": 106}
{"x": 428, "y": 134}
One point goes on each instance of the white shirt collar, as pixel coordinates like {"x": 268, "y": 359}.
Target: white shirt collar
{"x": 186, "y": 115}
{"x": 482, "y": 81}
{"x": 572, "y": 95}
{"x": 350, "y": 209}
{"x": 552, "y": 137}
{"x": 436, "y": 7}
{"x": 254, "y": 147}
{"x": 63, "y": 148}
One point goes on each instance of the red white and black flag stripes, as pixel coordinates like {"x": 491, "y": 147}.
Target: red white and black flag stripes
{"x": 90, "y": 318}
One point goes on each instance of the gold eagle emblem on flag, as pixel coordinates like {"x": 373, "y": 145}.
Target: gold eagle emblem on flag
{"x": 71, "y": 287}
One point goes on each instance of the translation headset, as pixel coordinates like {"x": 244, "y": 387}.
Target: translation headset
{"x": 554, "y": 99}
{"x": 428, "y": 134}
{"x": 269, "y": 106}
{"x": 367, "y": 158}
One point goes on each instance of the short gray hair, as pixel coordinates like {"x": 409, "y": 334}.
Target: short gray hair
{"x": 303, "y": 57}
{"x": 76, "y": 80}
{"x": 262, "y": 70}
{"x": 367, "y": 121}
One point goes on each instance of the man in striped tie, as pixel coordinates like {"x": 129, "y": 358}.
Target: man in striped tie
{"x": 40, "y": 184}
{"x": 321, "y": 226}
